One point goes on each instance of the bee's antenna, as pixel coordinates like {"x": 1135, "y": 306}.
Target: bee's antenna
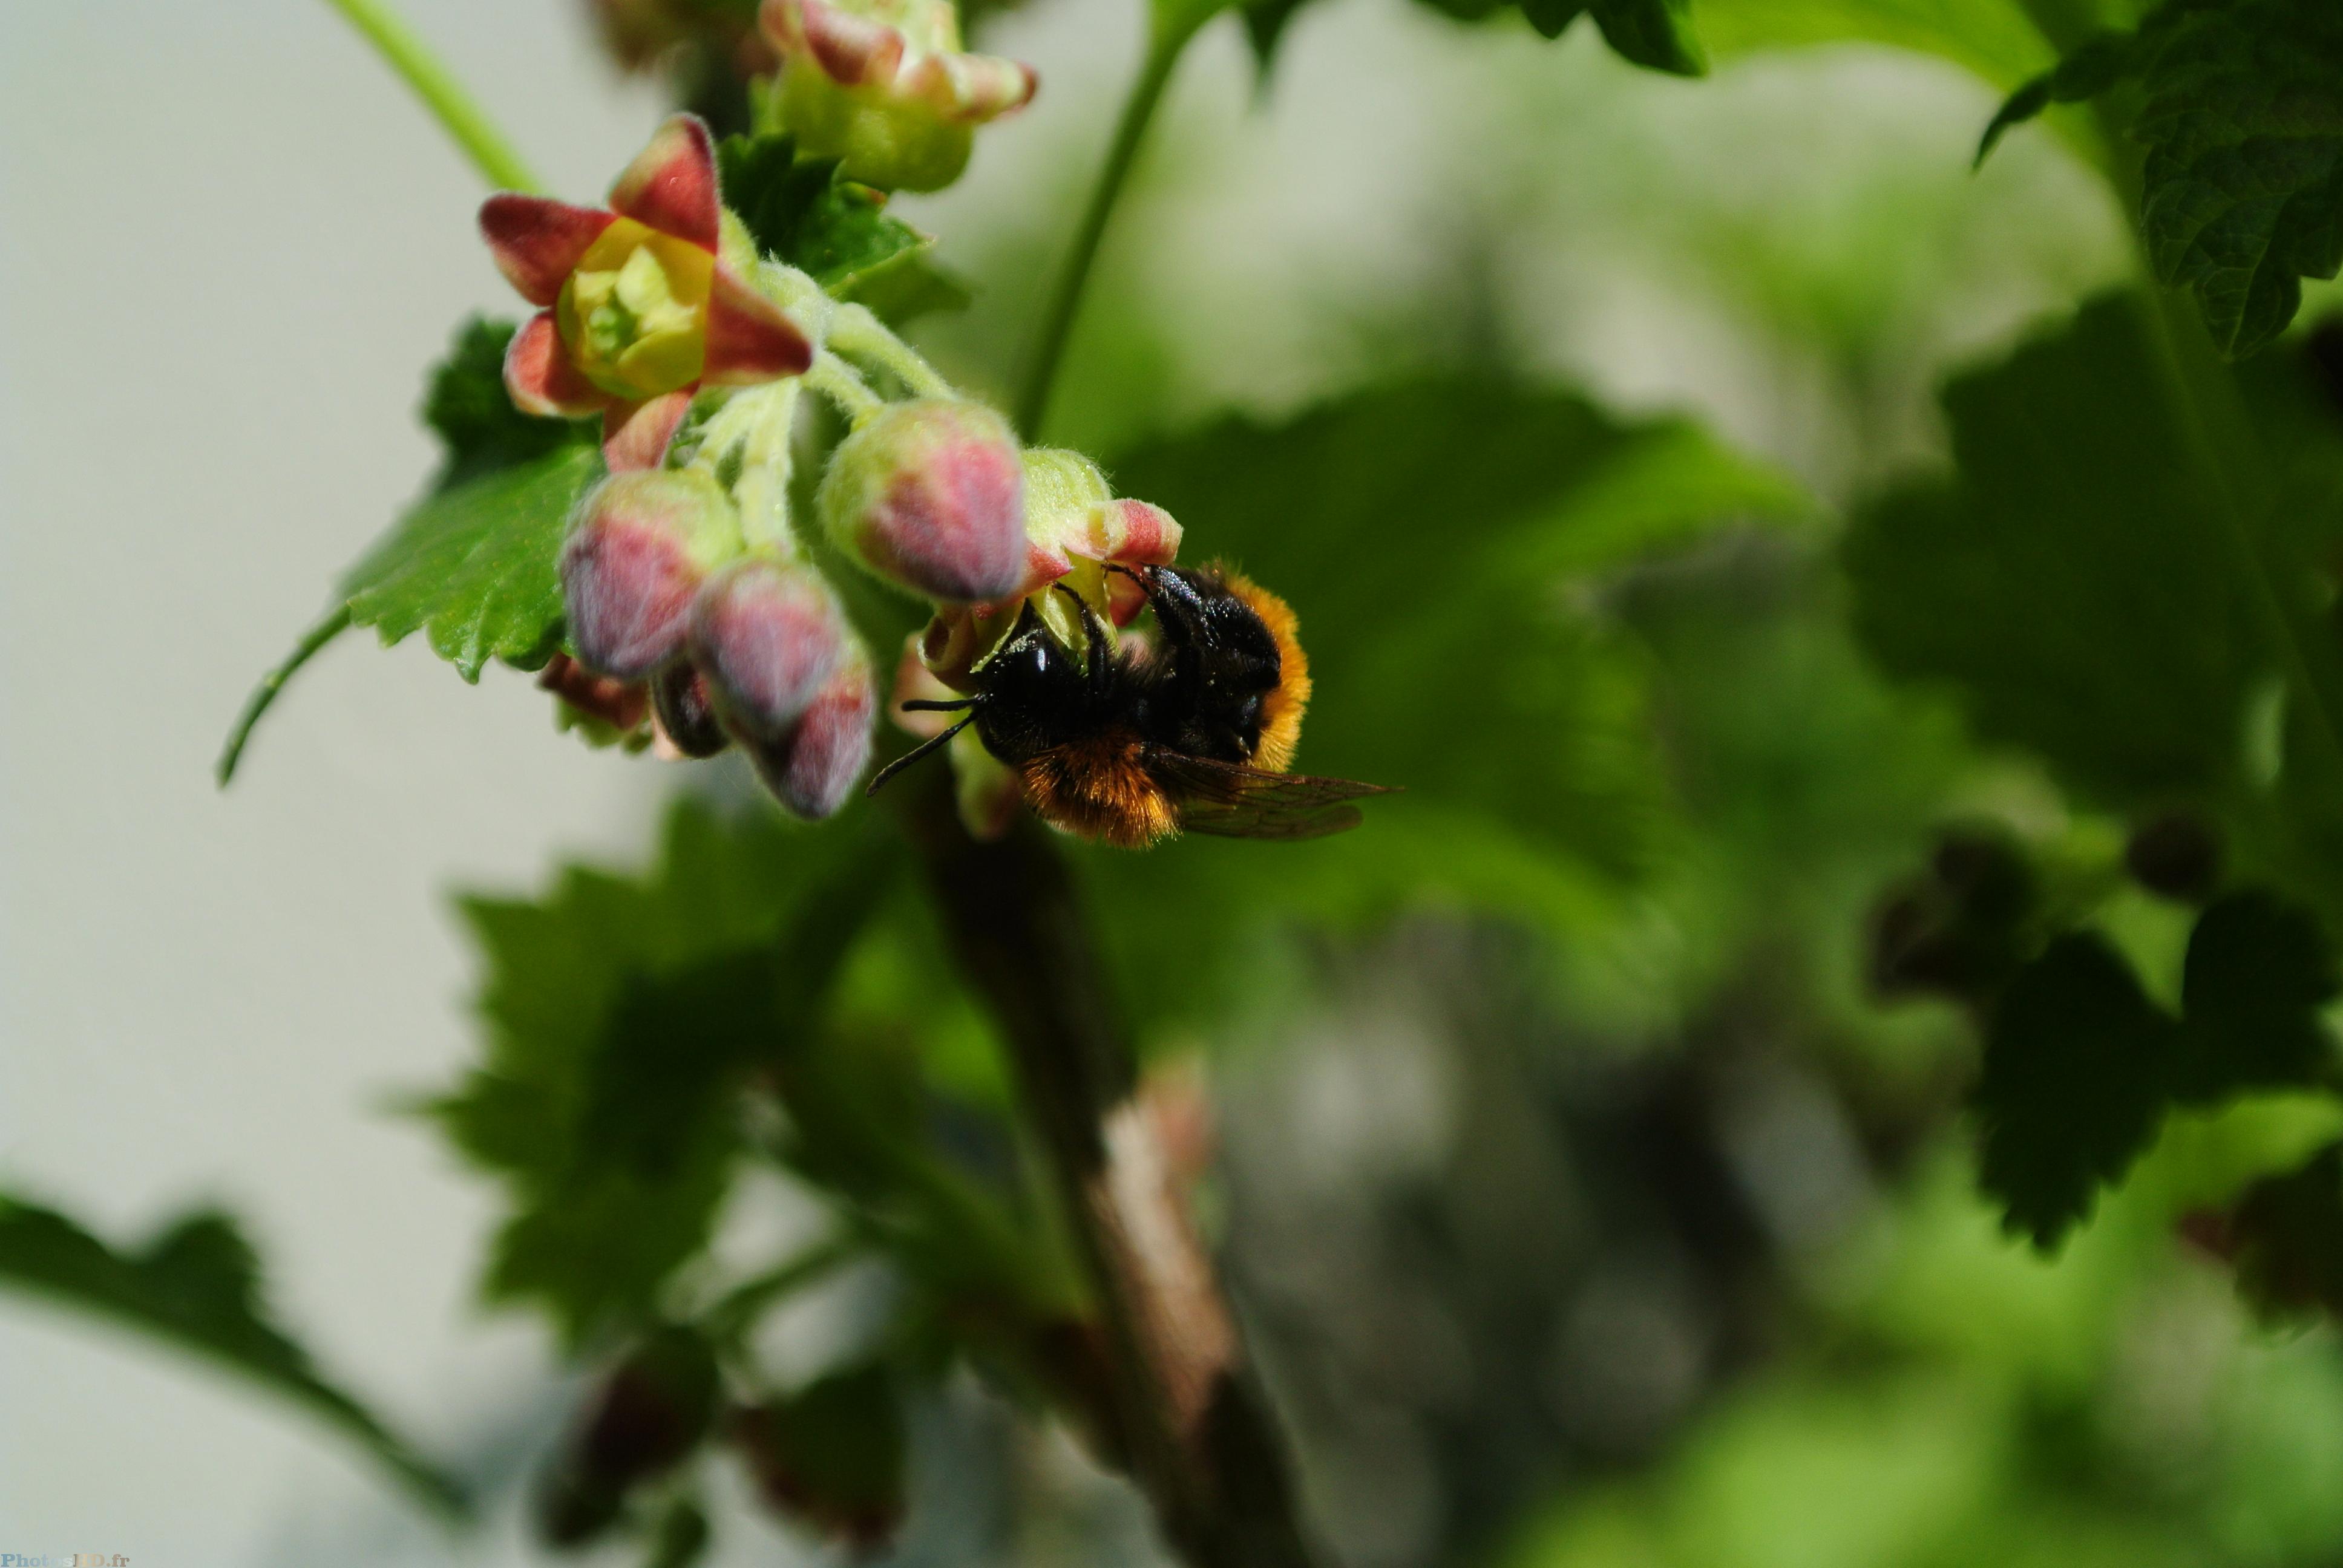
{"x": 932, "y": 743}
{"x": 931, "y": 705}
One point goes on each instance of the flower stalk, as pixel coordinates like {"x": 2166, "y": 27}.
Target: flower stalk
{"x": 464, "y": 121}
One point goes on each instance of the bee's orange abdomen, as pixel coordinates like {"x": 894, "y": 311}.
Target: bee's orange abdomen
{"x": 1097, "y": 789}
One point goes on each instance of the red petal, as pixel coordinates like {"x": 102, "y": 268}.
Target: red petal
{"x": 538, "y": 243}
{"x": 635, "y": 435}
{"x": 671, "y": 184}
{"x": 851, "y": 49}
{"x": 540, "y": 377}
{"x": 750, "y": 339}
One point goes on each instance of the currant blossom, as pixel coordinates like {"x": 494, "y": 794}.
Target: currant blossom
{"x": 636, "y": 309}
{"x": 884, "y": 86}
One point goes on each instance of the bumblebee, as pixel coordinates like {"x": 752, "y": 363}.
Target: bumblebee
{"x": 1133, "y": 745}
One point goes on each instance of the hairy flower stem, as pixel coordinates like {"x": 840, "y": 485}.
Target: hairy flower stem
{"x": 1167, "y": 39}
{"x": 1199, "y": 1434}
{"x": 331, "y": 624}
{"x": 432, "y": 82}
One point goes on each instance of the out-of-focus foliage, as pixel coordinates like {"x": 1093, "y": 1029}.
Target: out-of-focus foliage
{"x": 196, "y": 1285}
{"x": 2241, "y": 196}
{"x": 1475, "y": 522}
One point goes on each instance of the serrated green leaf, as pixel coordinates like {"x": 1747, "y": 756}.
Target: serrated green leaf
{"x": 2258, "y": 974}
{"x": 474, "y": 561}
{"x": 2242, "y": 193}
{"x": 196, "y": 1286}
{"x": 801, "y": 211}
{"x": 477, "y": 566}
{"x": 2090, "y": 69}
{"x": 2071, "y": 583}
{"x": 2080, "y": 1066}
{"x": 2072, "y": 1085}
{"x": 624, "y": 1016}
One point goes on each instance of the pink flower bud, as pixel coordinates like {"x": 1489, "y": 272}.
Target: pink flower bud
{"x": 767, "y": 634}
{"x": 685, "y": 709}
{"x": 640, "y": 548}
{"x": 930, "y": 494}
{"x": 813, "y": 769}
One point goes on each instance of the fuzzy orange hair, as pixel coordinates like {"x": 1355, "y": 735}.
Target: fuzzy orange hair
{"x": 1282, "y": 708}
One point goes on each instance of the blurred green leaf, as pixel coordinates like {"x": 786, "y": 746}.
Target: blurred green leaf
{"x": 1443, "y": 544}
{"x": 2258, "y": 973}
{"x": 196, "y": 1286}
{"x": 2087, "y": 70}
{"x": 2071, "y": 582}
{"x": 2080, "y": 1065}
{"x": 2285, "y": 1237}
{"x": 2073, "y": 1083}
{"x": 626, "y": 1015}
{"x": 681, "y": 1537}
{"x": 1656, "y": 34}
{"x": 831, "y": 1455}
{"x": 1266, "y": 23}
{"x": 1994, "y": 38}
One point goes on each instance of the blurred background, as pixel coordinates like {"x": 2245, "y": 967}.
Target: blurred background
{"x": 1617, "y": 1227}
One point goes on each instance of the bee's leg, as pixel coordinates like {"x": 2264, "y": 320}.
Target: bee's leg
{"x": 932, "y": 743}
{"x": 1097, "y": 650}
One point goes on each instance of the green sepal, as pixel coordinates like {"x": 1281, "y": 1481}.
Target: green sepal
{"x": 803, "y": 212}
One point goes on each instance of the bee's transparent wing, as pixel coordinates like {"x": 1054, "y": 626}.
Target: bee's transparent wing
{"x": 1229, "y": 800}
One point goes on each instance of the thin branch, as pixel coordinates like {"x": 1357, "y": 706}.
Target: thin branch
{"x": 1166, "y": 39}
{"x": 450, "y": 103}
{"x": 1200, "y": 1435}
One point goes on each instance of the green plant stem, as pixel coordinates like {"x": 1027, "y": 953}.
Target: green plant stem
{"x": 450, "y": 103}
{"x": 335, "y": 622}
{"x": 1166, "y": 40}
{"x": 860, "y": 336}
{"x": 837, "y": 381}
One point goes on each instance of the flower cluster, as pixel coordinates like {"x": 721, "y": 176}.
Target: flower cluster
{"x": 697, "y": 618}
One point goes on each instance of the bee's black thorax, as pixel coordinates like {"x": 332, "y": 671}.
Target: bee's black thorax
{"x": 1198, "y": 694}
